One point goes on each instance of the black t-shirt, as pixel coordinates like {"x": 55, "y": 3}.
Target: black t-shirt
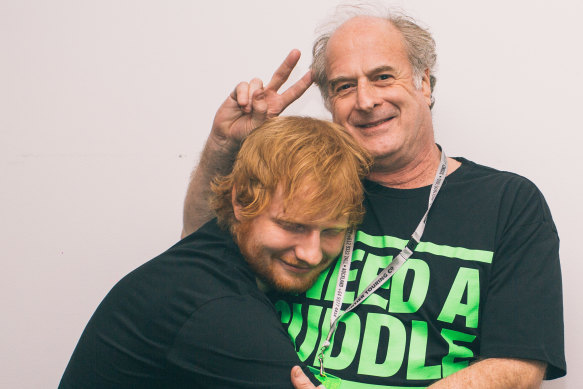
{"x": 191, "y": 318}
{"x": 484, "y": 281}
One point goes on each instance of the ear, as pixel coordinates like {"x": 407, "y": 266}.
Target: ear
{"x": 426, "y": 86}
{"x": 236, "y": 206}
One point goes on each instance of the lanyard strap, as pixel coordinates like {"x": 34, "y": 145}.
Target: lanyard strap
{"x": 387, "y": 272}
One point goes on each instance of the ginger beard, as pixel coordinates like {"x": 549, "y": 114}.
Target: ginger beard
{"x": 276, "y": 267}
{"x": 286, "y": 245}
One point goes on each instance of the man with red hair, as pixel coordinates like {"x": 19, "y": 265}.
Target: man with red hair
{"x": 196, "y": 316}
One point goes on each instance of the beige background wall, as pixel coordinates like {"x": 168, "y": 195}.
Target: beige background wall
{"x": 105, "y": 105}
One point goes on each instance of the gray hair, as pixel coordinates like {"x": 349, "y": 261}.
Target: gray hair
{"x": 418, "y": 41}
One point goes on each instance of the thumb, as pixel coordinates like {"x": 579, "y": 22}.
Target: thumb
{"x": 259, "y": 111}
{"x": 259, "y": 104}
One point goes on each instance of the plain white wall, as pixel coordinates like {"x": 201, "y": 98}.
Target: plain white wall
{"x": 105, "y": 105}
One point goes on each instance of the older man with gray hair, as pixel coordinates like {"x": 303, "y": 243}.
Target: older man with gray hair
{"x": 455, "y": 279}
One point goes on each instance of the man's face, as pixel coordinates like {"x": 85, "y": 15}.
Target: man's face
{"x": 286, "y": 251}
{"x": 372, "y": 91}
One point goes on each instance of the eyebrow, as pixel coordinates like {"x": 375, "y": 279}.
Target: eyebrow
{"x": 381, "y": 69}
{"x": 283, "y": 220}
{"x": 286, "y": 221}
{"x": 291, "y": 222}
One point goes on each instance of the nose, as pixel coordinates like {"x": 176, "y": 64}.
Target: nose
{"x": 309, "y": 249}
{"x": 366, "y": 96}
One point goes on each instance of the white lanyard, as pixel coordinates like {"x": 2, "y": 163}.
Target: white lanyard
{"x": 387, "y": 272}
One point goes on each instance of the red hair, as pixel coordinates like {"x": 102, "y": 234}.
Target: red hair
{"x": 311, "y": 160}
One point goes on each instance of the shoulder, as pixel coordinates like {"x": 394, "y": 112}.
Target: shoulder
{"x": 517, "y": 196}
{"x": 491, "y": 180}
{"x": 201, "y": 267}
{"x": 473, "y": 170}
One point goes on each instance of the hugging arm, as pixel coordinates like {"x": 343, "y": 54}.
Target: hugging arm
{"x": 497, "y": 373}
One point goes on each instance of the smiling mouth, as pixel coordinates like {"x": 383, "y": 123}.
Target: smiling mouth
{"x": 374, "y": 124}
{"x": 296, "y": 268}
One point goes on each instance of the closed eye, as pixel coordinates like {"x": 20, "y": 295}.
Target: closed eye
{"x": 333, "y": 232}
{"x": 292, "y": 227}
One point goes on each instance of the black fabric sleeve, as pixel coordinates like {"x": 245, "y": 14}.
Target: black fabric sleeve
{"x": 523, "y": 312}
{"x": 234, "y": 342}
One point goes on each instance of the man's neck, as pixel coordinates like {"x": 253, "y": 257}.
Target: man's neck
{"x": 415, "y": 174}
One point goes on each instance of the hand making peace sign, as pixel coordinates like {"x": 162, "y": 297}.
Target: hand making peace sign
{"x": 250, "y": 103}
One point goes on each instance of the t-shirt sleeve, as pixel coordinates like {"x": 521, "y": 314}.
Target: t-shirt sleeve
{"x": 234, "y": 342}
{"x": 523, "y": 312}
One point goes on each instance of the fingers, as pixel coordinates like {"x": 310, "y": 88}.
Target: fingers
{"x": 253, "y": 98}
{"x": 284, "y": 70}
{"x": 297, "y": 89}
{"x": 243, "y": 94}
{"x": 282, "y": 74}
{"x": 300, "y": 380}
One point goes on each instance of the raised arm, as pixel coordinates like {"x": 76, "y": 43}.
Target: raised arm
{"x": 246, "y": 108}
